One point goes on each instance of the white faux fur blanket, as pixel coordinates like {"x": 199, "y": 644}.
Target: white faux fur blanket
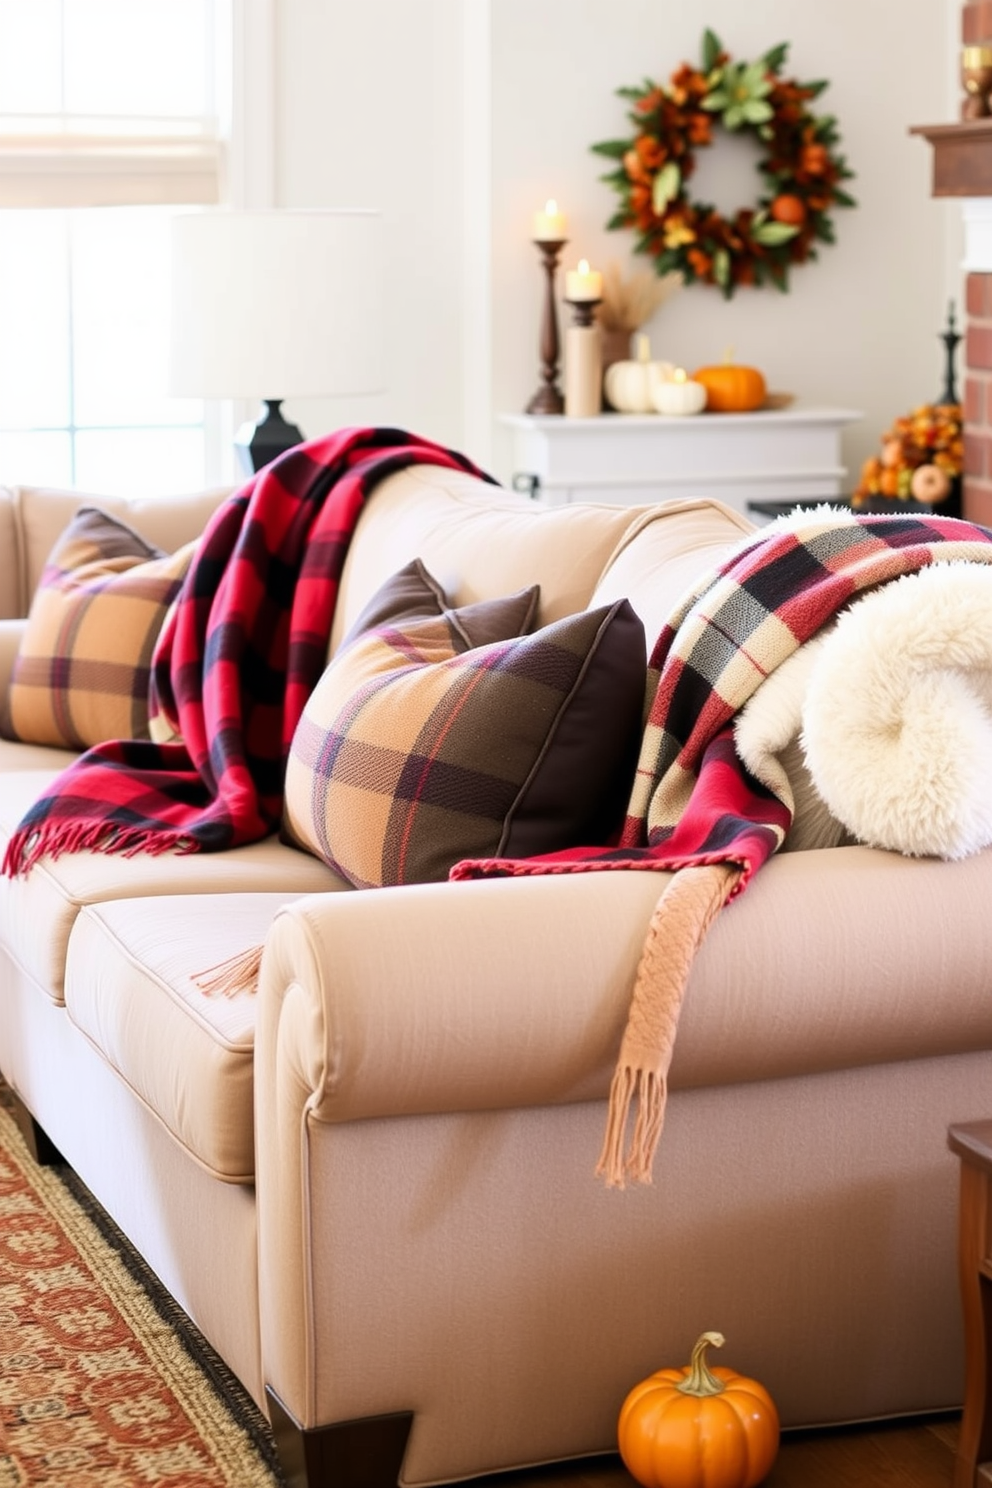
{"x": 882, "y": 725}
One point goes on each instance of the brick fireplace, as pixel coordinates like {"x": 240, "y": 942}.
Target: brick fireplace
{"x": 962, "y": 167}
{"x": 977, "y": 503}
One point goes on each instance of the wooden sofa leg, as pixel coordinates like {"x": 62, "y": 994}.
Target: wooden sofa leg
{"x": 39, "y": 1143}
{"x": 367, "y": 1453}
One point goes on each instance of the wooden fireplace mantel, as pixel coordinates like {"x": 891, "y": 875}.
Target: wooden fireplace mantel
{"x": 962, "y": 157}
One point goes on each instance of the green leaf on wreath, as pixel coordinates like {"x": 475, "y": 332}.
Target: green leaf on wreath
{"x": 754, "y": 80}
{"x": 766, "y": 132}
{"x": 721, "y": 267}
{"x": 666, "y": 187}
{"x": 734, "y": 117}
{"x": 816, "y": 88}
{"x": 667, "y": 261}
{"x": 712, "y": 47}
{"x": 773, "y": 60}
{"x": 771, "y": 234}
{"x": 842, "y": 199}
{"x": 757, "y": 111}
{"x": 614, "y": 149}
{"x": 715, "y": 102}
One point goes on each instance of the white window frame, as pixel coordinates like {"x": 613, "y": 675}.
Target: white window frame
{"x": 227, "y": 159}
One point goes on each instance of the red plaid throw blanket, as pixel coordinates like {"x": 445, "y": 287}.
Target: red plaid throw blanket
{"x": 694, "y": 806}
{"x": 238, "y": 658}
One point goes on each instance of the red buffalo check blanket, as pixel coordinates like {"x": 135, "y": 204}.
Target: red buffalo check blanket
{"x": 240, "y": 654}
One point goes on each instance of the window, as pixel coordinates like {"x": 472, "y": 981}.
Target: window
{"x": 109, "y": 119}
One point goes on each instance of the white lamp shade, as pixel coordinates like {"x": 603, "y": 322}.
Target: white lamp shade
{"x": 276, "y": 304}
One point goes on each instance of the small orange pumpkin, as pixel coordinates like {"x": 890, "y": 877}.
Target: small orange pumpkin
{"x": 731, "y": 388}
{"x": 698, "y": 1427}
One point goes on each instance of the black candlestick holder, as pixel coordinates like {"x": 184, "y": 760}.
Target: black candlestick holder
{"x": 548, "y": 398}
{"x": 950, "y": 338}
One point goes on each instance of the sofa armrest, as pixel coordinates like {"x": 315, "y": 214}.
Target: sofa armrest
{"x": 11, "y": 632}
{"x": 514, "y": 992}
{"x": 446, "y": 997}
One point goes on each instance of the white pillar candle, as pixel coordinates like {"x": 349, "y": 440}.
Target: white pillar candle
{"x": 550, "y": 225}
{"x": 583, "y": 283}
{"x": 583, "y": 372}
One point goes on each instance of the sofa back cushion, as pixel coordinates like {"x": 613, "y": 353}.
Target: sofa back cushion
{"x": 40, "y": 514}
{"x": 12, "y": 602}
{"x": 479, "y": 541}
{"x": 663, "y": 555}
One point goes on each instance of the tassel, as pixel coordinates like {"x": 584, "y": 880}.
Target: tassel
{"x": 237, "y": 974}
{"x": 687, "y": 907}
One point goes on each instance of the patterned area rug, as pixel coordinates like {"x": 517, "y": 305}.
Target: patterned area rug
{"x": 104, "y": 1381}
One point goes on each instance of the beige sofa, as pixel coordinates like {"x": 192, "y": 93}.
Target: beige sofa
{"x": 372, "y": 1186}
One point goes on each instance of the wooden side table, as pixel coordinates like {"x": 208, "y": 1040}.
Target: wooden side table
{"x": 972, "y": 1143}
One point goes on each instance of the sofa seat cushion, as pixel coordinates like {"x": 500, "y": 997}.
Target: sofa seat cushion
{"x": 36, "y": 758}
{"x": 131, "y": 988}
{"x": 37, "y": 911}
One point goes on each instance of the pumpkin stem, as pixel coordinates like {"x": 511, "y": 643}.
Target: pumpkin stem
{"x": 700, "y": 1380}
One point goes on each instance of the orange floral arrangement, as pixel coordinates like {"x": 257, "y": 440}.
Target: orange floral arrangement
{"x": 922, "y": 457}
{"x": 801, "y": 168}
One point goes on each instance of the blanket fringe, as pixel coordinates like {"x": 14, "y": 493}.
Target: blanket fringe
{"x": 227, "y": 978}
{"x": 690, "y": 902}
{"x": 29, "y": 845}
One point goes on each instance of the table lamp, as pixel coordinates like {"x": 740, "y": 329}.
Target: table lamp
{"x": 284, "y": 301}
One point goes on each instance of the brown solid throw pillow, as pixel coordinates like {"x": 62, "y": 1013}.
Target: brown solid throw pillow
{"x": 82, "y": 670}
{"x": 424, "y": 744}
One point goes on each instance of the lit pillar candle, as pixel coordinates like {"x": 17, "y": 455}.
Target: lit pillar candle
{"x": 550, "y": 225}
{"x": 583, "y": 283}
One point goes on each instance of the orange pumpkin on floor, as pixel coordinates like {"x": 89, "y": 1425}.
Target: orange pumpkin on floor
{"x": 698, "y": 1427}
{"x": 731, "y": 388}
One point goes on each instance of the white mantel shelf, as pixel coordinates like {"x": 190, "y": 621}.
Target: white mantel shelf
{"x": 629, "y": 459}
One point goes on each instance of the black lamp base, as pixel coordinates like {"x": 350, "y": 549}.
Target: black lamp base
{"x": 262, "y": 442}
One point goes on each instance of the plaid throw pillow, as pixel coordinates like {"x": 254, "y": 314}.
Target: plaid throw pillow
{"x": 422, "y": 744}
{"x": 81, "y": 673}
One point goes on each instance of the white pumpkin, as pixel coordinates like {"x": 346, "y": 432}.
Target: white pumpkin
{"x": 628, "y": 384}
{"x": 678, "y": 394}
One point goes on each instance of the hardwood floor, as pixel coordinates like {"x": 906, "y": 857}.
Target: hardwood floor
{"x": 900, "y": 1454}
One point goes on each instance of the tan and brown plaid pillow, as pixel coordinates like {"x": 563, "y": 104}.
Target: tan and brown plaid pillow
{"x": 82, "y": 670}
{"x": 417, "y": 750}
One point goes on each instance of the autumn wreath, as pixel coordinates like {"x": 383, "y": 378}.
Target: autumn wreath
{"x": 800, "y": 166}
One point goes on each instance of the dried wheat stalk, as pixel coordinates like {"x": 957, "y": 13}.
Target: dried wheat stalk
{"x": 628, "y": 304}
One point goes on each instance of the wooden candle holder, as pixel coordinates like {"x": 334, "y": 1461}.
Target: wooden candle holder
{"x": 548, "y": 398}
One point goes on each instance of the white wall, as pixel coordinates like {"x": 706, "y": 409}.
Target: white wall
{"x": 459, "y": 117}
{"x": 368, "y": 114}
